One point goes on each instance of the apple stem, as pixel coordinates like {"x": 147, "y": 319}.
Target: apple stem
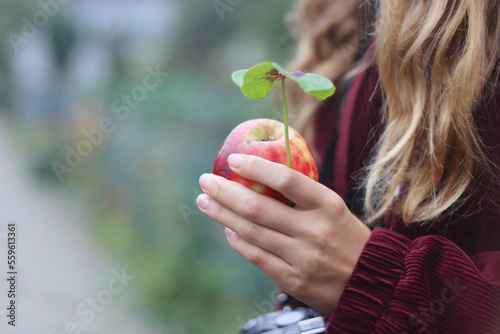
{"x": 285, "y": 120}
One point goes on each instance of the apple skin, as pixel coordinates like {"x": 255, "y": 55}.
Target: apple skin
{"x": 265, "y": 138}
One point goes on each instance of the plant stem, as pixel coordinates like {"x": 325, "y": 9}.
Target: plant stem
{"x": 285, "y": 120}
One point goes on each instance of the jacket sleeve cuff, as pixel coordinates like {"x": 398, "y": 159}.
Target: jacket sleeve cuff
{"x": 372, "y": 284}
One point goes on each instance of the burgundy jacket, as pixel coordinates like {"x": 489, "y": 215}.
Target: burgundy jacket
{"x": 439, "y": 278}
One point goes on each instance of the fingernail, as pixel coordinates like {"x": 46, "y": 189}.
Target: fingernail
{"x": 235, "y": 161}
{"x": 203, "y": 201}
{"x": 228, "y": 232}
{"x": 205, "y": 180}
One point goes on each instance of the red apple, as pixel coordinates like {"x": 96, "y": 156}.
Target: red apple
{"x": 266, "y": 139}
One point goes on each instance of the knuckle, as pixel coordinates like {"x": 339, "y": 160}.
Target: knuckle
{"x": 252, "y": 232}
{"x": 322, "y": 234}
{"x": 288, "y": 278}
{"x": 336, "y": 208}
{"x": 328, "y": 241}
{"x": 321, "y": 253}
{"x": 293, "y": 282}
{"x": 301, "y": 288}
{"x": 290, "y": 179}
{"x": 310, "y": 264}
{"x": 253, "y": 207}
{"x": 256, "y": 257}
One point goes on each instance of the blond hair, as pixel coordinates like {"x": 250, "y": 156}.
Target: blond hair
{"x": 435, "y": 62}
{"x": 328, "y": 37}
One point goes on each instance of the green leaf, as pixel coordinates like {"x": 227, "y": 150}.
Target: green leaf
{"x": 282, "y": 71}
{"x": 257, "y": 81}
{"x": 239, "y": 77}
{"x": 316, "y": 85}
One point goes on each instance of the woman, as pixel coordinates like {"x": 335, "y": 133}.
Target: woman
{"x": 410, "y": 146}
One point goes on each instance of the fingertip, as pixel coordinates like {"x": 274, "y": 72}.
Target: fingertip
{"x": 205, "y": 180}
{"x": 203, "y": 202}
{"x": 234, "y": 161}
{"x": 229, "y": 233}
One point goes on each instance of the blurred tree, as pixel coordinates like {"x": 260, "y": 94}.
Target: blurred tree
{"x": 11, "y": 22}
{"x": 205, "y": 27}
{"x": 137, "y": 183}
{"x": 63, "y": 38}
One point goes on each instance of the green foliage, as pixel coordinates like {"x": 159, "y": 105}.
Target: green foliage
{"x": 257, "y": 81}
{"x": 314, "y": 84}
{"x": 140, "y": 184}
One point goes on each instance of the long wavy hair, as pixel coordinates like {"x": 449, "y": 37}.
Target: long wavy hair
{"x": 436, "y": 63}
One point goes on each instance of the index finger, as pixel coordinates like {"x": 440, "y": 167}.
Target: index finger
{"x": 305, "y": 192}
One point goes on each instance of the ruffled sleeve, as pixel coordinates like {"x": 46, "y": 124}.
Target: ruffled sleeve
{"x": 428, "y": 285}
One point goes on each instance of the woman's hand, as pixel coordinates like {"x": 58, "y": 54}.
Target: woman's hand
{"x": 309, "y": 251}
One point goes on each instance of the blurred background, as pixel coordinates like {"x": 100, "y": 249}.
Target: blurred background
{"x": 110, "y": 110}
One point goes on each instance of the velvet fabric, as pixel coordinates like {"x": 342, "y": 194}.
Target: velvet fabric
{"x": 442, "y": 277}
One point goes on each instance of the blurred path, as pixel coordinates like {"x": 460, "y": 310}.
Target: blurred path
{"x": 64, "y": 283}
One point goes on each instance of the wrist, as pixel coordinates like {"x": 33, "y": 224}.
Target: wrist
{"x": 355, "y": 239}
{"x": 357, "y": 236}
